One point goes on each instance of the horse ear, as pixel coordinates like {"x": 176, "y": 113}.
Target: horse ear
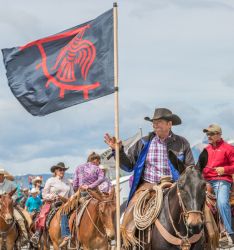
{"x": 12, "y": 192}
{"x": 178, "y": 164}
{"x": 202, "y": 160}
{"x": 112, "y": 193}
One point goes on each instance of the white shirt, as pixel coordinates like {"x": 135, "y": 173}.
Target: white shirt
{"x": 55, "y": 186}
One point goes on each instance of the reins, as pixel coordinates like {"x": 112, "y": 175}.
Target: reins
{"x": 104, "y": 235}
{"x": 3, "y": 234}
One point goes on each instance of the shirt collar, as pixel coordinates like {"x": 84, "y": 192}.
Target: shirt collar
{"x": 163, "y": 140}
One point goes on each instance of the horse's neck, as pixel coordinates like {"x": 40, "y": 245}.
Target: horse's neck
{"x": 95, "y": 216}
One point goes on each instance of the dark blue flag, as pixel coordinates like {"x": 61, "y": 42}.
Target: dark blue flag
{"x": 65, "y": 69}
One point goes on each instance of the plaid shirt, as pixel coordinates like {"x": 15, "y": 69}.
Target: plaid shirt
{"x": 156, "y": 164}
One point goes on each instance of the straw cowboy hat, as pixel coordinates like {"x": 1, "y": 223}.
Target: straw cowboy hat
{"x": 38, "y": 178}
{"x": 34, "y": 191}
{"x": 6, "y": 174}
{"x": 163, "y": 113}
{"x": 59, "y": 165}
{"x": 2, "y": 171}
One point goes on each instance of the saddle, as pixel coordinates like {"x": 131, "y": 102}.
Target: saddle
{"x": 53, "y": 209}
{"x": 128, "y": 226}
{"x": 76, "y": 216}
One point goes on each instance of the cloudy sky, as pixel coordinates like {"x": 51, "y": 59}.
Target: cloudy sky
{"x": 177, "y": 54}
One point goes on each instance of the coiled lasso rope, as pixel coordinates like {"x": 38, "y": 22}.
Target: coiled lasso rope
{"x": 147, "y": 207}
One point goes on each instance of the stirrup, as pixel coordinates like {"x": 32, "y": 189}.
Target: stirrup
{"x": 35, "y": 239}
{"x": 65, "y": 241}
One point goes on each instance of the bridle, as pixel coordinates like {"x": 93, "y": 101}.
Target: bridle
{"x": 185, "y": 211}
{"x": 3, "y": 234}
{"x": 186, "y": 241}
{"x": 104, "y": 235}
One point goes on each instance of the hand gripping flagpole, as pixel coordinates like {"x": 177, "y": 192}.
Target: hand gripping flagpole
{"x": 115, "y": 19}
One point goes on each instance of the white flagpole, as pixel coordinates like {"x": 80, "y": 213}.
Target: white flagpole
{"x": 115, "y": 20}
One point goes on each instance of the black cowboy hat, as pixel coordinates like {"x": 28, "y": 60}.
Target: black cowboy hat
{"x": 59, "y": 165}
{"x": 162, "y": 113}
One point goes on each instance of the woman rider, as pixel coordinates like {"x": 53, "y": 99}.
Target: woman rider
{"x": 89, "y": 175}
{"x": 56, "y": 188}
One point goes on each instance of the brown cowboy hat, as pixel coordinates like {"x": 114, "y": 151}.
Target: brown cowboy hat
{"x": 163, "y": 113}
{"x": 59, "y": 165}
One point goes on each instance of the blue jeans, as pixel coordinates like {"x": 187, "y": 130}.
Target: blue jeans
{"x": 222, "y": 193}
{"x": 65, "y": 231}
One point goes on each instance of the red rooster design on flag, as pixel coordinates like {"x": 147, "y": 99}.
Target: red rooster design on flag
{"x": 77, "y": 51}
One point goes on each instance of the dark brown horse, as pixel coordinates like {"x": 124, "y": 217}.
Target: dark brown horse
{"x": 97, "y": 225}
{"x": 180, "y": 224}
{"x": 8, "y": 229}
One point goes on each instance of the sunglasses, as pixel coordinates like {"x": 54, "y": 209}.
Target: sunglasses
{"x": 211, "y": 133}
{"x": 61, "y": 169}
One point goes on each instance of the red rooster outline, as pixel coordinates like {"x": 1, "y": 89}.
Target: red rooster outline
{"x": 84, "y": 61}
{"x": 77, "y": 51}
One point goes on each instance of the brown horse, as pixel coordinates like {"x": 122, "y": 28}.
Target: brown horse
{"x": 97, "y": 225}
{"x": 8, "y": 229}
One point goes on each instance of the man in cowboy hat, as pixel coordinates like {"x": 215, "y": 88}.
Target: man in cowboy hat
{"x": 21, "y": 200}
{"x": 218, "y": 172}
{"x": 6, "y": 186}
{"x": 148, "y": 157}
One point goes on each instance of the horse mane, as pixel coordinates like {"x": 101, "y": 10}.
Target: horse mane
{"x": 71, "y": 204}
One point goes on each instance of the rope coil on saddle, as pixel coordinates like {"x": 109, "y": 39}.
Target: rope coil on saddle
{"x": 148, "y": 207}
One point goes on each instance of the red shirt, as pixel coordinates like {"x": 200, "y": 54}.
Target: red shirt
{"x": 221, "y": 155}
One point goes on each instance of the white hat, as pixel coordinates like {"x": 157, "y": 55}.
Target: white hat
{"x": 34, "y": 190}
{"x": 2, "y": 171}
{"x": 38, "y": 178}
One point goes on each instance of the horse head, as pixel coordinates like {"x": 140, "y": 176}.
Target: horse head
{"x": 107, "y": 211}
{"x": 191, "y": 190}
{"x": 6, "y": 202}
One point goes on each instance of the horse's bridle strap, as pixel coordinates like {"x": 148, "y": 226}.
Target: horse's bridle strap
{"x": 172, "y": 239}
